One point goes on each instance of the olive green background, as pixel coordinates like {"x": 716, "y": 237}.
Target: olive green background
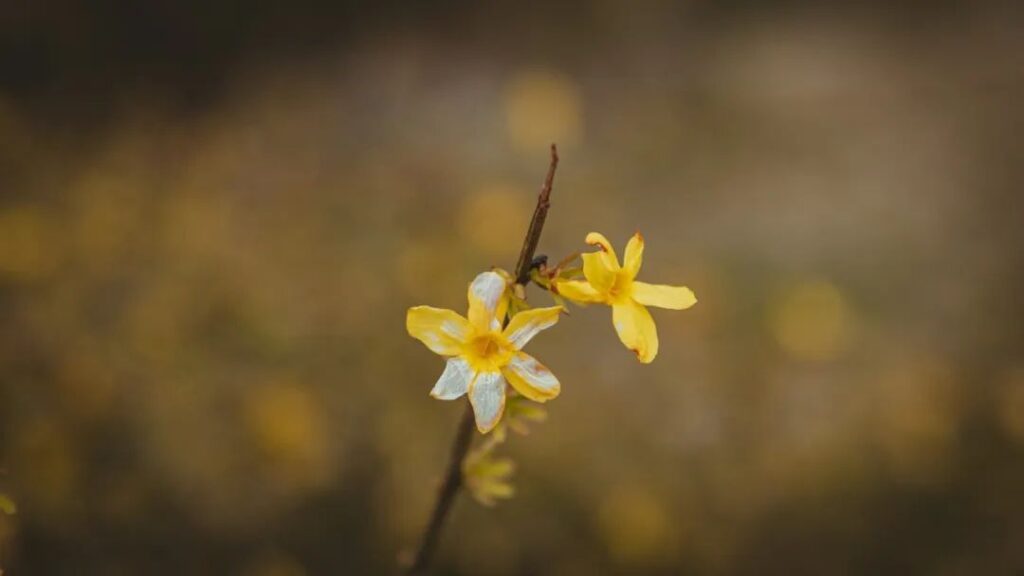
{"x": 213, "y": 218}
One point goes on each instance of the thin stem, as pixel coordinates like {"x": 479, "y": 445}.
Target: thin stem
{"x": 446, "y": 495}
{"x": 540, "y": 213}
{"x": 464, "y": 436}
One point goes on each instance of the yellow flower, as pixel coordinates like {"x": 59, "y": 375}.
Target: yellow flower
{"x": 609, "y": 283}
{"x": 487, "y": 478}
{"x": 482, "y": 356}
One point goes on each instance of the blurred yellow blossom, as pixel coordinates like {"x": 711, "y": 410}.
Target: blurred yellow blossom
{"x": 487, "y": 478}
{"x": 609, "y": 283}
{"x": 543, "y": 106}
{"x": 519, "y": 412}
{"x": 811, "y": 321}
{"x": 637, "y": 527}
{"x": 286, "y": 423}
{"x": 481, "y": 355}
{"x": 917, "y": 416}
{"x": 7, "y": 506}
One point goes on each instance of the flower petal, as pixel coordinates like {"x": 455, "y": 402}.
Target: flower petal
{"x": 662, "y": 296}
{"x": 528, "y": 323}
{"x": 636, "y": 329}
{"x": 454, "y": 381}
{"x": 607, "y": 252}
{"x": 634, "y": 255}
{"x": 595, "y": 268}
{"x": 577, "y": 290}
{"x": 531, "y": 378}
{"x": 599, "y": 240}
{"x": 487, "y": 395}
{"x": 485, "y": 297}
{"x": 443, "y": 331}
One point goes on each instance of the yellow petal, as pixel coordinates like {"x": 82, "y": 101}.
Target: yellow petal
{"x": 487, "y": 490}
{"x": 487, "y": 395}
{"x": 487, "y": 466}
{"x": 531, "y": 378}
{"x": 599, "y": 240}
{"x": 486, "y": 293}
{"x": 634, "y": 255}
{"x": 443, "y": 331}
{"x": 607, "y": 252}
{"x": 662, "y": 296}
{"x": 498, "y": 489}
{"x": 636, "y": 329}
{"x": 528, "y": 323}
{"x": 595, "y": 268}
{"x": 577, "y": 290}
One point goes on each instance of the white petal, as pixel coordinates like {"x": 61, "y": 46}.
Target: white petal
{"x": 487, "y": 395}
{"x": 454, "y": 381}
{"x": 534, "y": 373}
{"x": 487, "y": 287}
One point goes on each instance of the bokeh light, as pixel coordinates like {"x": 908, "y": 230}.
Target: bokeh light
{"x": 811, "y": 321}
{"x": 541, "y": 107}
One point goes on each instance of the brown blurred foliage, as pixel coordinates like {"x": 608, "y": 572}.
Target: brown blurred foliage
{"x": 212, "y": 221}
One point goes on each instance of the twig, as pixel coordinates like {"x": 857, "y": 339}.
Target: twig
{"x": 540, "y": 213}
{"x": 446, "y": 495}
{"x": 464, "y": 437}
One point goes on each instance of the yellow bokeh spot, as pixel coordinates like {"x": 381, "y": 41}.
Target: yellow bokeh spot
{"x": 287, "y": 425}
{"x": 493, "y": 219}
{"x": 1011, "y": 405}
{"x": 917, "y": 417}
{"x": 636, "y": 526}
{"x": 812, "y": 321}
{"x": 541, "y": 107}
{"x": 28, "y": 243}
{"x": 7, "y": 506}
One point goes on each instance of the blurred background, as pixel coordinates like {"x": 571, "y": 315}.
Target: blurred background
{"x": 213, "y": 217}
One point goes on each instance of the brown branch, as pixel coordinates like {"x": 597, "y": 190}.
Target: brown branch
{"x": 464, "y": 437}
{"x": 540, "y": 213}
{"x": 446, "y": 495}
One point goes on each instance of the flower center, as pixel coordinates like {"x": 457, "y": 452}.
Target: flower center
{"x": 620, "y": 288}
{"x": 486, "y": 346}
{"x": 489, "y": 351}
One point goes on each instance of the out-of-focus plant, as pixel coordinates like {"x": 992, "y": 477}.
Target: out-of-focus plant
{"x": 486, "y": 363}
